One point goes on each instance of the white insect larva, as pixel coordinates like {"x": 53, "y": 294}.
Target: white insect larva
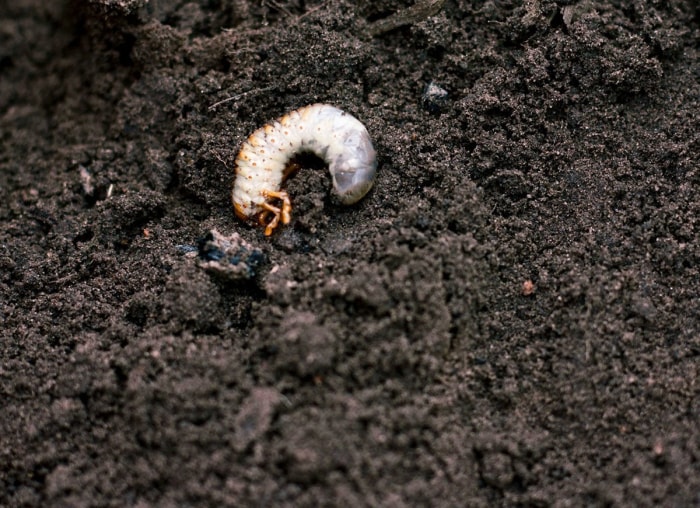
{"x": 335, "y": 136}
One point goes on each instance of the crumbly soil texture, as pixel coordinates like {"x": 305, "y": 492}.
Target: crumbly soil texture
{"x": 511, "y": 317}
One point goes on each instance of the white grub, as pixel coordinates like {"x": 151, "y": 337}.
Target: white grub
{"x": 335, "y": 136}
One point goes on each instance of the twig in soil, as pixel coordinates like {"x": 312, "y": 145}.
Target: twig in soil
{"x": 311, "y": 11}
{"x": 276, "y": 5}
{"x": 418, "y": 12}
{"x": 240, "y": 96}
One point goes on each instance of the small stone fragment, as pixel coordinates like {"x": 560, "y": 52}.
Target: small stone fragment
{"x": 434, "y": 97}
{"x": 86, "y": 181}
{"x": 230, "y": 257}
{"x": 528, "y": 288}
{"x": 255, "y": 416}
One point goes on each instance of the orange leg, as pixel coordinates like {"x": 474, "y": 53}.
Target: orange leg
{"x": 272, "y": 224}
{"x": 283, "y": 214}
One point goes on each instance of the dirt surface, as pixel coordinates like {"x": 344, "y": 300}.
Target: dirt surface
{"x": 510, "y": 317}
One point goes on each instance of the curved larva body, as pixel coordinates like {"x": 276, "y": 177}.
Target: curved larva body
{"x": 330, "y": 133}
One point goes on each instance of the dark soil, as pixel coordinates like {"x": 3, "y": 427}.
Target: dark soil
{"x": 510, "y": 317}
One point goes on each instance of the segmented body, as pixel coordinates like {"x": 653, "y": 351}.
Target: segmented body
{"x": 330, "y": 133}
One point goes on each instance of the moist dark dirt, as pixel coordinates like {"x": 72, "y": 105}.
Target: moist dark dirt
{"x": 510, "y": 318}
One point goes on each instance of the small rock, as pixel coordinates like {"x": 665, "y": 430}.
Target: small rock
{"x": 229, "y": 256}
{"x": 434, "y": 97}
{"x": 255, "y": 416}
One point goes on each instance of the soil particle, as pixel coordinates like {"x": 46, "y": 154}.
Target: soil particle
{"x": 509, "y": 318}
